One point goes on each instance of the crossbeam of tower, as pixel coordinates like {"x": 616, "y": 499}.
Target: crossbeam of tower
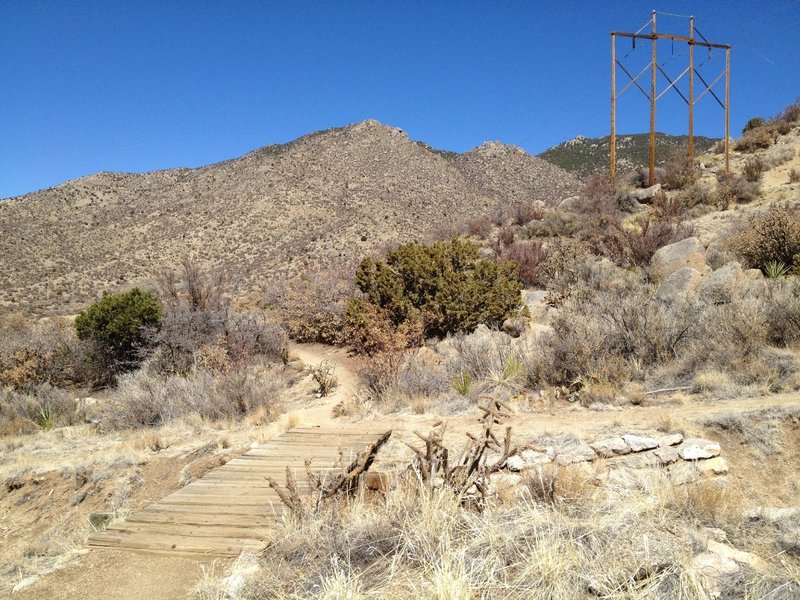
{"x": 695, "y": 38}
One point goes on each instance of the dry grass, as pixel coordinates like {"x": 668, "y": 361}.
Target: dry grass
{"x": 574, "y": 542}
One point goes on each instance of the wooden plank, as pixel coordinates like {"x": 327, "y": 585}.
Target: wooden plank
{"x": 206, "y": 530}
{"x": 203, "y": 519}
{"x": 232, "y": 508}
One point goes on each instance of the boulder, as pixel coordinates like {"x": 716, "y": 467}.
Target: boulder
{"x": 739, "y": 556}
{"x": 667, "y": 455}
{"x": 724, "y": 285}
{"x": 673, "y": 439}
{"x": 532, "y": 457}
{"x": 639, "y": 443}
{"x": 575, "y": 454}
{"x": 712, "y": 568}
{"x": 681, "y": 283}
{"x": 697, "y": 449}
{"x": 515, "y": 463}
{"x": 713, "y": 466}
{"x": 608, "y": 447}
{"x": 639, "y": 460}
{"x": 682, "y": 472}
{"x": 570, "y": 204}
{"x": 536, "y": 302}
{"x": 645, "y": 195}
{"x": 686, "y": 253}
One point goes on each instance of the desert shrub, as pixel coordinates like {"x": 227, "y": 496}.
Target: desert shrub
{"x": 116, "y": 326}
{"x": 783, "y": 312}
{"x": 324, "y": 374}
{"x": 479, "y": 226}
{"x": 635, "y": 246}
{"x": 199, "y": 327}
{"x": 770, "y": 236}
{"x": 778, "y": 155}
{"x": 753, "y": 169}
{"x": 446, "y": 286}
{"x": 734, "y": 189}
{"x": 527, "y": 256}
{"x": 37, "y": 408}
{"x": 525, "y": 212}
{"x": 33, "y": 353}
{"x": 505, "y": 236}
{"x": 313, "y": 307}
{"x": 756, "y": 139}
{"x": 667, "y": 208}
{"x": 794, "y": 176}
{"x": 679, "y": 170}
{"x": 145, "y": 399}
{"x": 791, "y": 114}
{"x": 697, "y": 194}
{"x": 554, "y": 223}
{"x": 752, "y": 124}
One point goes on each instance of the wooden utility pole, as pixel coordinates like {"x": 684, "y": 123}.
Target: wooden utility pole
{"x": 691, "y": 88}
{"x": 654, "y": 96}
{"x": 613, "y": 106}
{"x": 653, "y": 42}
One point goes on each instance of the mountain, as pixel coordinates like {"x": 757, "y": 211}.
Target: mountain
{"x": 321, "y": 200}
{"x": 583, "y": 155}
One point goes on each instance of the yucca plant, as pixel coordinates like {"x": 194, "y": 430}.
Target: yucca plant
{"x": 462, "y": 383}
{"x": 508, "y": 376}
{"x": 45, "y": 417}
{"x": 775, "y": 269}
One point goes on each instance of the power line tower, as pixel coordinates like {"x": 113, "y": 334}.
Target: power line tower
{"x": 653, "y": 96}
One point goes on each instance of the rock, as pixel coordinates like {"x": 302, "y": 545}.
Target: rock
{"x": 575, "y": 454}
{"x": 629, "y": 204}
{"x": 646, "y": 194}
{"x": 773, "y": 515}
{"x": 667, "y": 455}
{"x": 713, "y": 466}
{"x": 724, "y": 285}
{"x": 741, "y": 557}
{"x": 639, "y": 460}
{"x": 100, "y": 520}
{"x": 686, "y": 253}
{"x": 639, "y": 443}
{"x": 681, "y": 283}
{"x": 673, "y": 439}
{"x": 532, "y": 457}
{"x": 536, "y": 302}
{"x": 613, "y": 446}
{"x": 515, "y": 326}
{"x": 698, "y": 448}
{"x": 681, "y": 472}
{"x": 711, "y": 567}
{"x": 790, "y": 543}
{"x": 570, "y": 204}
{"x": 515, "y": 463}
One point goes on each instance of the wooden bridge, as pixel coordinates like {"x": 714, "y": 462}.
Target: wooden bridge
{"x": 231, "y": 509}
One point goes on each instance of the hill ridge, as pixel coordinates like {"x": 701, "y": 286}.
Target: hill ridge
{"x": 326, "y": 198}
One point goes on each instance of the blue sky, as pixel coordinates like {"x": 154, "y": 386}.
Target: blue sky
{"x": 137, "y": 86}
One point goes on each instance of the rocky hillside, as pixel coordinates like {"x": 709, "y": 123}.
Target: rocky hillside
{"x": 326, "y": 198}
{"x": 582, "y": 155}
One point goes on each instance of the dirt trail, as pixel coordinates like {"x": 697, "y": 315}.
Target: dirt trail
{"x": 105, "y": 574}
{"x": 320, "y": 412}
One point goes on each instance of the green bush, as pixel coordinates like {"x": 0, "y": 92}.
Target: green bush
{"x": 115, "y": 325}
{"x": 752, "y": 124}
{"x": 446, "y": 285}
